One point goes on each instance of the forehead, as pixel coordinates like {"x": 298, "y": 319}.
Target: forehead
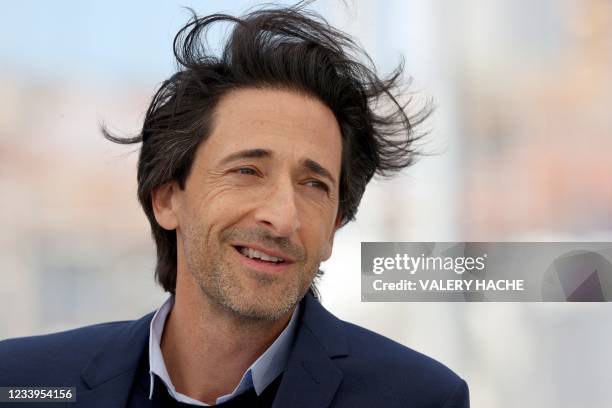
{"x": 283, "y": 121}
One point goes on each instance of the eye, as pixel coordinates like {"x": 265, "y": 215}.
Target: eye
{"x": 247, "y": 171}
{"x": 317, "y": 184}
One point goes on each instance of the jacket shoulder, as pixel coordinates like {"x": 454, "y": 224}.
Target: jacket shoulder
{"x": 53, "y": 358}
{"x": 399, "y": 372}
{"x": 371, "y": 346}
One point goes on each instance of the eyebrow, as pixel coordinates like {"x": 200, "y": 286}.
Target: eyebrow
{"x": 246, "y": 154}
{"x": 310, "y": 164}
{"x": 318, "y": 169}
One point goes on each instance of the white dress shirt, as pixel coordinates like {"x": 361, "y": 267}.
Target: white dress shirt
{"x": 259, "y": 375}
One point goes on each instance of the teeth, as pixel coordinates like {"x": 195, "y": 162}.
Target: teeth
{"x": 251, "y": 253}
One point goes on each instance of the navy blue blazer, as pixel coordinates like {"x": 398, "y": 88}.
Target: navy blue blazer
{"x": 332, "y": 364}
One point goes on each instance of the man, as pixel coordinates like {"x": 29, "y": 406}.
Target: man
{"x": 250, "y": 162}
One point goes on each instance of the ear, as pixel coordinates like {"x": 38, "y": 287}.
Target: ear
{"x": 330, "y": 243}
{"x": 164, "y": 200}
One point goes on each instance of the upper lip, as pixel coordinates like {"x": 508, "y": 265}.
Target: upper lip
{"x": 267, "y": 251}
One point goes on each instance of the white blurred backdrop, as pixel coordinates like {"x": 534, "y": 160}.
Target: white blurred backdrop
{"x": 522, "y": 137}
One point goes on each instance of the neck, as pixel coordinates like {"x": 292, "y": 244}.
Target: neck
{"x": 207, "y": 348}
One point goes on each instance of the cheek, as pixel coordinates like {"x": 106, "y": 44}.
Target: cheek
{"x": 221, "y": 207}
{"x": 318, "y": 221}
{"x": 214, "y": 198}
{"x": 317, "y": 238}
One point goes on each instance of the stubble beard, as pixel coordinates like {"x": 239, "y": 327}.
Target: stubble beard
{"x": 221, "y": 282}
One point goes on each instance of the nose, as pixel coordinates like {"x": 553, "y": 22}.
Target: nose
{"x": 278, "y": 211}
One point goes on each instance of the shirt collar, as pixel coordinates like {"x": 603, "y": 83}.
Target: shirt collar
{"x": 259, "y": 375}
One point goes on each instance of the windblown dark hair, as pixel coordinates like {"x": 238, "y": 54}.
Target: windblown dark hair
{"x": 282, "y": 48}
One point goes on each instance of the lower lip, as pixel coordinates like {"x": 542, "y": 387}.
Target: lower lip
{"x": 263, "y": 266}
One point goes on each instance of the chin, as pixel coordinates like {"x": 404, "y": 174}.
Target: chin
{"x": 263, "y": 303}
{"x": 260, "y": 311}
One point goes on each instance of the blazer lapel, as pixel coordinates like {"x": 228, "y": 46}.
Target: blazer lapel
{"x": 110, "y": 373}
{"x": 311, "y": 378}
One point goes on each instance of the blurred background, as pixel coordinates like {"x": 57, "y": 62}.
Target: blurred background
{"x": 522, "y": 139}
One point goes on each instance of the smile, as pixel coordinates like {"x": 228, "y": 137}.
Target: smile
{"x": 263, "y": 260}
{"x": 255, "y": 254}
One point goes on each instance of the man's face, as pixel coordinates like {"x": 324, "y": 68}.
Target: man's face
{"x": 259, "y": 210}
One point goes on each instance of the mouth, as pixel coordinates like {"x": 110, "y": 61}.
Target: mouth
{"x": 262, "y": 260}
{"x": 255, "y": 254}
